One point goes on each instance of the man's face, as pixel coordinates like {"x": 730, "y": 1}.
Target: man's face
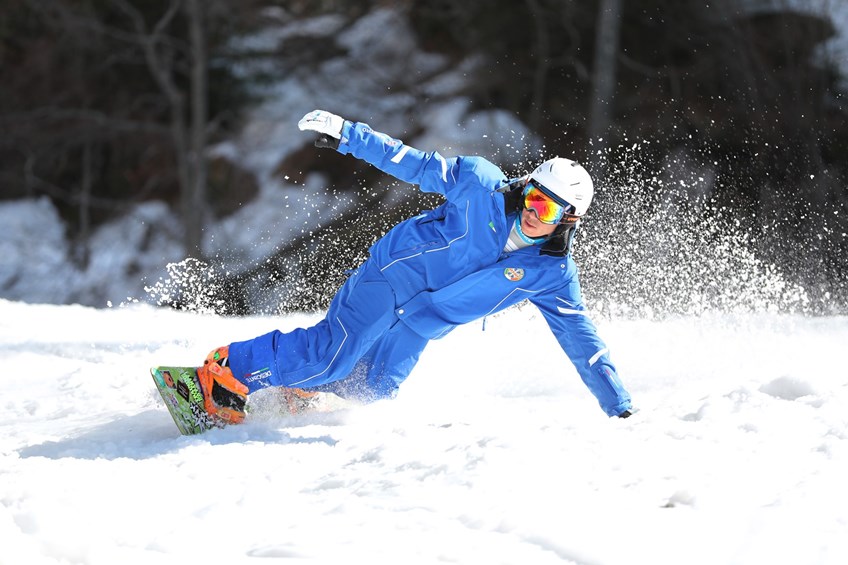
{"x": 532, "y": 227}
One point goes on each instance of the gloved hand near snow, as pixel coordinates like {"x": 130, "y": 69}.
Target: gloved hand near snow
{"x": 327, "y": 124}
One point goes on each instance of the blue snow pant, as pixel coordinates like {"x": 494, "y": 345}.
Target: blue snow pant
{"x": 360, "y": 350}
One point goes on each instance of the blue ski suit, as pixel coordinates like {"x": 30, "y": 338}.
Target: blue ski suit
{"x": 427, "y": 275}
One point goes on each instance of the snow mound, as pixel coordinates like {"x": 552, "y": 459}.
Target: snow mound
{"x": 34, "y": 253}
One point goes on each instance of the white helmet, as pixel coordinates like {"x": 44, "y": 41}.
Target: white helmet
{"x": 567, "y": 181}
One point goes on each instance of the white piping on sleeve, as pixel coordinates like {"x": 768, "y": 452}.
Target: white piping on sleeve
{"x": 596, "y": 356}
{"x": 572, "y": 311}
{"x": 444, "y": 167}
{"x": 400, "y": 154}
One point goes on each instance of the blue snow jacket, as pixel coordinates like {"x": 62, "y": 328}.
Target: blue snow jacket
{"x": 448, "y": 266}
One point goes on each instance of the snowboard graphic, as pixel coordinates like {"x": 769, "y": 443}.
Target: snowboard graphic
{"x": 180, "y": 389}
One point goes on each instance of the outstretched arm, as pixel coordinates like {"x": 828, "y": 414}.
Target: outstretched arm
{"x": 576, "y": 333}
{"x": 431, "y": 171}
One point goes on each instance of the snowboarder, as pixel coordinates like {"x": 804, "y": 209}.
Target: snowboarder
{"x": 493, "y": 243}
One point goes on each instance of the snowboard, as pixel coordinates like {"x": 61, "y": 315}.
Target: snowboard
{"x": 180, "y": 389}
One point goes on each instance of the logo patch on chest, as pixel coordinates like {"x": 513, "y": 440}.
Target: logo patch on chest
{"x": 514, "y": 275}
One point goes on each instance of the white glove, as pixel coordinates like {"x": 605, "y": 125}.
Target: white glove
{"x": 322, "y": 122}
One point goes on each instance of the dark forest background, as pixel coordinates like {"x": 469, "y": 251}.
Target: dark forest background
{"x": 107, "y": 103}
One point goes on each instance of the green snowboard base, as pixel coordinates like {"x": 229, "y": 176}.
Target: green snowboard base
{"x": 180, "y": 389}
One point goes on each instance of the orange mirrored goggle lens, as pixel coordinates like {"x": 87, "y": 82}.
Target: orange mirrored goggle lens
{"x": 547, "y": 209}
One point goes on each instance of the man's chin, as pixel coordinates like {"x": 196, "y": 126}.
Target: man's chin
{"x": 530, "y": 231}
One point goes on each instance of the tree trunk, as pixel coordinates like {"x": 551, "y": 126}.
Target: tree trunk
{"x": 80, "y": 252}
{"x": 189, "y": 140}
{"x": 194, "y": 212}
{"x": 604, "y": 71}
{"x": 542, "y": 56}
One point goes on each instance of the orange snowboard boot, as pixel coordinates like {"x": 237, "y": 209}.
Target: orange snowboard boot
{"x": 223, "y": 395}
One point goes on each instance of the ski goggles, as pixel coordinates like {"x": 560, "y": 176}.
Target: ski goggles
{"x": 549, "y": 211}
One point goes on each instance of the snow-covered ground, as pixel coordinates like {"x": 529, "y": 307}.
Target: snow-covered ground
{"x": 494, "y": 452}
